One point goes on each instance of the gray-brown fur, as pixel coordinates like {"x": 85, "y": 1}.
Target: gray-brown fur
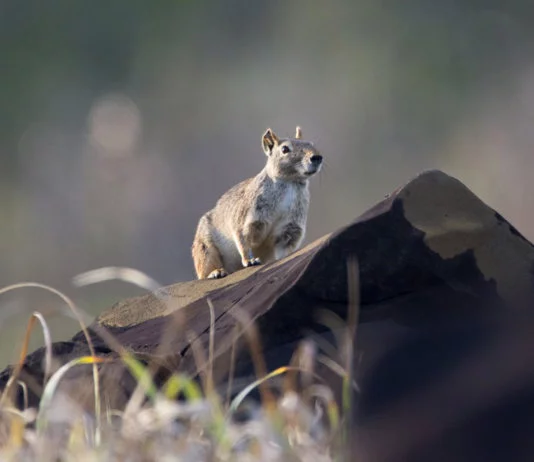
{"x": 263, "y": 218}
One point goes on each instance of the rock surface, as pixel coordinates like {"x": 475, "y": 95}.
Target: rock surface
{"x": 446, "y": 287}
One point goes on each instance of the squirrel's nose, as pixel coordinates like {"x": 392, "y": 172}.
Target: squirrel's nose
{"x": 316, "y": 159}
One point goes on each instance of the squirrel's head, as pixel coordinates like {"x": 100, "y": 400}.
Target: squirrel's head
{"x": 290, "y": 158}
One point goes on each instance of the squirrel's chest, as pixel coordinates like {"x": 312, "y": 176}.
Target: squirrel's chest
{"x": 281, "y": 203}
{"x": 291, "y": 205}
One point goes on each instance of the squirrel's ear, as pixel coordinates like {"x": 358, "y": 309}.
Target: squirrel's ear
{"x": 269, "y": 141}
{"x": 298, "y": 134}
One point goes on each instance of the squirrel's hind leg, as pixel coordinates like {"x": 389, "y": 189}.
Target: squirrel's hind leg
{"x": 208, "y": 262}
{"x": 206, "y": 257}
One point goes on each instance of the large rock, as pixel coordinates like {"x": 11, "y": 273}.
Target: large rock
{"x": 445, "y": 285}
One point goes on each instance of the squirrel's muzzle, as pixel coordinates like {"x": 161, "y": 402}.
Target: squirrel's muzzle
{"x": 316, "y": 159}
{"x": 313, "y": 164}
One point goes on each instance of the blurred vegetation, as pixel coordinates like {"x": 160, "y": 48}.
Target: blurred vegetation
{"x": 121, "y": 122}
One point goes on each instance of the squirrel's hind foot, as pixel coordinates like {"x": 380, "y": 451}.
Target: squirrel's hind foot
{"x": 217, "y": 274}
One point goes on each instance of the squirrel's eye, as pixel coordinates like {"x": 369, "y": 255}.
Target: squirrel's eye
{"x": 285, "y": 149}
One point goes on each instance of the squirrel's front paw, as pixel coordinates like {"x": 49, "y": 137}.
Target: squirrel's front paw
{"x": 252, "y": 262}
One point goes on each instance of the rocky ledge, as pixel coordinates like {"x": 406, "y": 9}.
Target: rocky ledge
{"x": 444, "y": 347}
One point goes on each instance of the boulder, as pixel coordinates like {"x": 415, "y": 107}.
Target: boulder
{"x": 445, "y": 287}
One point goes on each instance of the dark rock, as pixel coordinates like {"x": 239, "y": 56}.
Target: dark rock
{"x": 444, "y": 342}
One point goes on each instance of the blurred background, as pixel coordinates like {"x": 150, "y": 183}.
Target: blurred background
{"x": 122, "y": 122}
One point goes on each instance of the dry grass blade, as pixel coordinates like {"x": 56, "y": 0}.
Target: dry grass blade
{"x": 252, "y": 335}
{"x": 7, "y": 395}
{"x": 77, "y": 315}
{"x": 303, "y": 360}
{"x": 142, "y": 374}
{"x": 203, "y": 367}
{"x": 53, "y": 383}
{"x": 337, "y": 326}
{"x": 257, "y": 383}
{"x": 24, "y": 388}
{"x": 129, "y": 275}
{"x": 109, "y": 273}
{"x": 218, "y": 426}
{"x": 323, "y": 344}
{"x": 48, "y": 344}
{"x": 16, "y": 432}
{"x": 211, "y": 348}
{"x": 236, "y": 402}
{"x": 353, "y": 282}
{"x": 137, "y": 369}
{"x": 230, "y": 384}
{"x": 336, "y": 368}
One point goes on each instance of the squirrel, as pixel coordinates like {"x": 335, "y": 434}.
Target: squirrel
{"x": 261, "y": 219}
